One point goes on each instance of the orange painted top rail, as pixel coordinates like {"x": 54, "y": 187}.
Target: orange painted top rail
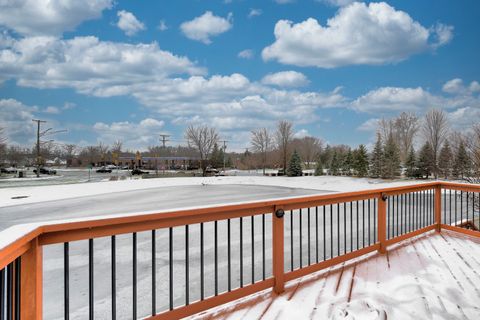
{"x": 28, "y": 244}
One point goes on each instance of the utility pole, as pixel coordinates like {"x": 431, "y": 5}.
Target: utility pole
{"x": 41, "y": 134}
{"x": 39, "y": 122}
{"x": 164, "y": 141}
{"x": 224, "y": 148}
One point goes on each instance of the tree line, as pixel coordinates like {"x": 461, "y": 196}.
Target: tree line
{"x": 442, "y": 152}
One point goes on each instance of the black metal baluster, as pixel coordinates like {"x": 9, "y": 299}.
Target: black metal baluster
{"x": 9, "y": 291}
{"x": 444, "y": 208}
{"x": 363, "y": 223}
{"x": 263, "y": 247}
{"x": 300, "y": 240}
{"x": 187, "y": 265}
{"x": 202, "y": 263}
{"x": 253, "y": 248}
{"x": 388, "y": 218}
{"x": 401, "y": 214}
{"x": 375, "y": 220}
{"x": 369, "y": 239}
{"x": 170, "y": 267}
{"x": 397, "y": 213}
{"x": 291, "y": 240}
{"x": 324, "y": 235}
{"x": 66, "y": 281}
{"x": 461, "y": 206}
{"x": 229, "y": 256}
{"x": 241, "y": 252}
{"x": 344, "y": 227}
{"x": 215, "y": 248}
{"x": 2, "y": 294}
{"x": 456, "y": 208}
{"x": 316, "y": 232}
{"x": 357, "y": 223}
{"x": 450, "y": 206}
{"x": 351, "y": 226}
{"x": 113, "y": 277}
{"x": 134, "y": 275}
{"x": 331, "y": 231}
{"x": 90, "y": 280}
{"x": 338, "y": 229}
{"x": 18, "y": 280}
{"x": 308, "y": 234}
{"x": 154, "y": 273}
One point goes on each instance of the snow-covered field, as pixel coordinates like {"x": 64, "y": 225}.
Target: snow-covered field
{"x": 56, "y": 192}
{"x": 53, "y": 255}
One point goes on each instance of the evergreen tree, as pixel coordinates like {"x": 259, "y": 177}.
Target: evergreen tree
{"x": 391, "y": 163}
{"x": 462, "y": 162}
{"x": 426, "y": 162}
{"x": 445, "y": 160}
{"x": 411, "y": 164}
{"x": 295, "y": 165}
{"x": 377, "y": 159}
{"x": 335, "y": 164}
{"x": 319, "y": 168}
{"x": 361, "y": 161}
{"x": 216, "y": 157}
{"x": 347, "y": 163}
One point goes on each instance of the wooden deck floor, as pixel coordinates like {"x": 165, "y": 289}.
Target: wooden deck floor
{"x": 434, "y": 276}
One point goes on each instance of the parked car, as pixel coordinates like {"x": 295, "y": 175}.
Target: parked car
{"x": 8, "y": 170}
{"x": 104, "y": 170}
{"x": 46, "y": 171}
{"x": 138, "y": 172}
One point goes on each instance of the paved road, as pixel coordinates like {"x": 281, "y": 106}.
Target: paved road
{"x": 143, "y": 200}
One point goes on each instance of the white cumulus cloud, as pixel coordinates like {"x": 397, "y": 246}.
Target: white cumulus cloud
{"x": 337, "y": 3}
{"x": 246, "y": 54}
{"x": 128, "y": 23}
{"x": 286, "y": 79}
{"x": 204, "y": 27}
{"x": 89, "y": 65}
{"x": 132, "y": 134}
{"x": 372, "y": 34}
{"x": 254, "y": 12}
{"x": 49, "y": 17}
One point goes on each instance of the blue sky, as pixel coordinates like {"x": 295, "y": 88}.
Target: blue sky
{"x": 130, "y": 70}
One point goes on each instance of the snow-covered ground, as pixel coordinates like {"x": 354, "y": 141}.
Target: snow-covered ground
{"x": 58, "y": 192}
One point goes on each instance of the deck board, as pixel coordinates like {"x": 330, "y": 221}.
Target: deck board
{"x": 433, "y": 276}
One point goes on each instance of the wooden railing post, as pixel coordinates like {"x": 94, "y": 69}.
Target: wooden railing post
{"x": 278, "y": 250}
{"x": 438, "y": 208}
{"x": 382, "y": 223}
{"x": 31, "y": 282}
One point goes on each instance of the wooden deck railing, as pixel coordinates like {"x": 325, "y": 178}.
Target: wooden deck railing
{"x": 255, "y": 246}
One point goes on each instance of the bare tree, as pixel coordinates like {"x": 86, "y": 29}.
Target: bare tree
{"x": 386, "y": 129}
{"x": 406, "y": 126}
{"x": 70, "y": 150}
{"x": 117, "y": 146}
{"x": 3, "y": 145}
{"x": 309, "y": 148}
{"x": 473, "y": 144}
{"x": 102, "y": 150}
{"x": 202, "y": 138}
{"x": 435, "y": 130}
{"x": 262, "y": 142}
{"x": 284, "y": 135}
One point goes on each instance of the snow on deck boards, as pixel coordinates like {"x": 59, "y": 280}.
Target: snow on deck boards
{"x": 433, "y": 276}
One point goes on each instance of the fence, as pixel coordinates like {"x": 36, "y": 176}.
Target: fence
{"x": 183, "y": 262}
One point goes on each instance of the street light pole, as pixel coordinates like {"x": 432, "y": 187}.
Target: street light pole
{"x": 38, "y": 144}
